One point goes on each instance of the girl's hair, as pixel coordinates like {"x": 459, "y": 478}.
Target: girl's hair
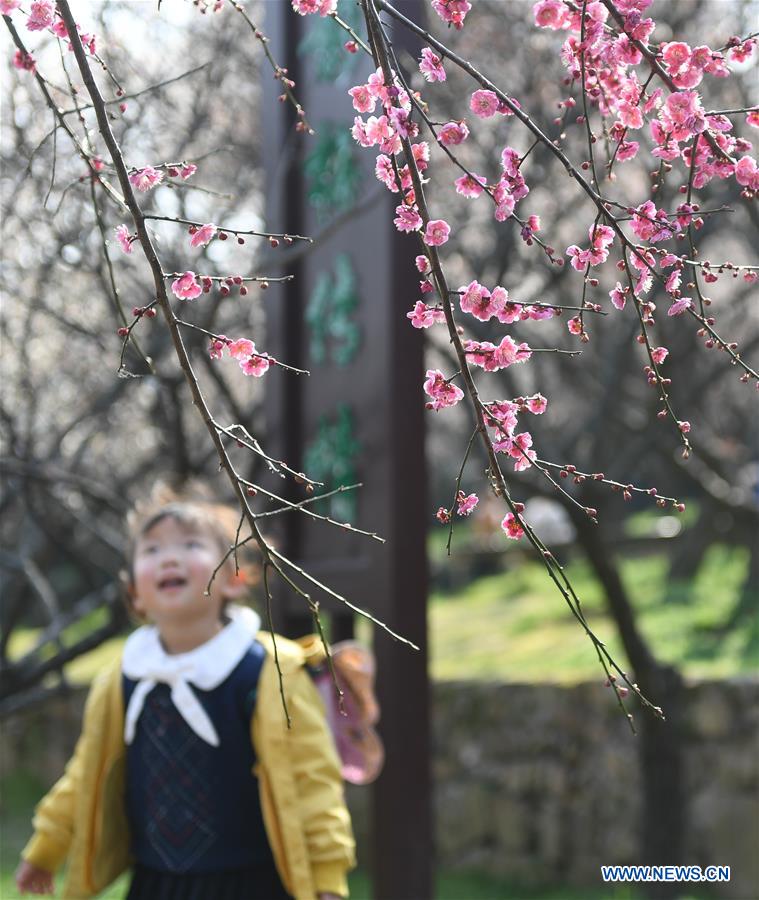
{"x": 194, "y": 508}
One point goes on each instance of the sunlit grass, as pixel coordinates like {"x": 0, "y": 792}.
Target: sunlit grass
{"x": 516, "y": 626}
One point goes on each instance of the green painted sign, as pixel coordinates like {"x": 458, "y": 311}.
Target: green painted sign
{"x": 324, "y": 43}
{"x": 332, "y": 170}
{"x": 330, "y": 458}
{"x": 330, "y": 315}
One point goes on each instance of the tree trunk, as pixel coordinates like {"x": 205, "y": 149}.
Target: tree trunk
{"x": 663, "y": 823}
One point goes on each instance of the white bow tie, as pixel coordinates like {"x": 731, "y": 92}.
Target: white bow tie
{"x": 206, "y": 667}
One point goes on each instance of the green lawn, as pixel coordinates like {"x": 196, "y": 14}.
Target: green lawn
{"x": 516, "y": 626}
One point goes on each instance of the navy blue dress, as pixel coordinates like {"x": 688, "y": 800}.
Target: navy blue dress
{"x": 194, "y": 810}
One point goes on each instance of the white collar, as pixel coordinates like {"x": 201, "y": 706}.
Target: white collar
{"x": 206, "y": 667}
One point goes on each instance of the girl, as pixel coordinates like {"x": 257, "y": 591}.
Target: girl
{"x": 186, "y": 767}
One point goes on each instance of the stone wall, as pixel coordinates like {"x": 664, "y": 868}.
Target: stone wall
{"x": 539, "y": 784}
{"x": 542, "y": 783}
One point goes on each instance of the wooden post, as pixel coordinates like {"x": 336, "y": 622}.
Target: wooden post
{"x": 358, "y": 417}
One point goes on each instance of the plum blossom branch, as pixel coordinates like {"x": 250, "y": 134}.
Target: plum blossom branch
{"x": 240, "y": 434}
{"x": 302, "y": 504}
{"x": 269, "y": 554}
{"x": 555, "y": 572}
{"x": 223, "y": 229}
{"x": 578, "y": 477}
{"x": 62, "y": 123}
{"x": 458, "y": 488}
{"x": 327, "y": 590}
{"x": 354, "y": 36}
{"x": 656, "y": 67}
{"x": 279, "y": 73}
{"x": 221, "y": 337}
{"x": 270, "y": 623}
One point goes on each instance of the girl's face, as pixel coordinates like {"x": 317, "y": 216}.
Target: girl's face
{"x": 173, "y": 564}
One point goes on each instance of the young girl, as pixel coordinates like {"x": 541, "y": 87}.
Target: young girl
{"x": 186, "y": 768}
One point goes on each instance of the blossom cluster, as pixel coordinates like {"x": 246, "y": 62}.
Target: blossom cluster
{"x": 147, "y": 178}
{"x": 604, "y": 54}
{"x": 42, "y": 16}
{"x": 189, "y": 286}
{"x": 251, "y": 361}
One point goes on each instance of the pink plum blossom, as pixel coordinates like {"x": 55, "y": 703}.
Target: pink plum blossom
{"x": 188, "y": 170}
{"x": 436, "y": 232}
{"x": 453, "y": 12}
{"x": 363, "y": 101}
{"x": 124, "y": 238}
{"x": 421, "y": 154}
{"x": 470, "y": 186}
{"x": 431, "y": 66}
{"x": 510, "y": 161}
{"x": 505, "y": 412}
{"x": 24, "y": 61}
{"x": 241, "y": 349}
{"x": 508, "y": 311}
{"x": 256, "y": 365}
{"x": 407, "y": 218}
{"x": 41, "y": 15}
{"x": 550, "y": 14}
{"x": 422, "y": 264}
{"x": 383, "y": 169}
{"x": 204, "y": 235}
{"x": 537, "y": 404}
{"x": 423, "y": 316}
{"x": 743, "y": 51}
{"x": 402, "y": 124}
{"x": 453, "y": 133}
{"x": 673, "y": 281}
{"x": 511, "y": 527}
{"x": 746, "y": 173}
{"x": 509, "y": 352}
{"x": 492, "y": 358}
{"x": 442, "y": 392}
{"x": 650, "y": 224}
{"x": 476, "y": 300}
{"x": 466, "y": 503}
{"x": 630, "y": 115}
{"x": 659, "y": 354}
{"x": 443, "y": 516}
{"x": 145, "y": 179}
{"x": 309, "y": 7}
{"x": 521, "y": 452}
{"x": 484, "y": 104}
{"x": 679, "y": 306}
{"x": 378, "y": 129}
{"x": 627, "y": 150}
{"x": 218, "y": 343}
{"x": 505, "y": 203}
{"x": 676, "y": 55}
{"x": 618, "y": 296}
{"x": 186, "y": 287}
{"x": 7, "y": 6}
{"x": 683, "y": 115}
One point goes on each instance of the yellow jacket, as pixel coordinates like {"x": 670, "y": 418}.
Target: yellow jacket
{"x": 83, "y": 817}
